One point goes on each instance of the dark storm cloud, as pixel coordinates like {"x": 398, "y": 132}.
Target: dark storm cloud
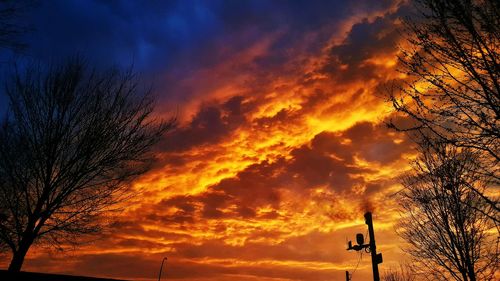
{"x": 373, "y": 143}
{"x": 209, "y": 125}
{"x": 366, "y": 40}
{"x": 312, "y": 167}
{"x": 255, "y": 186}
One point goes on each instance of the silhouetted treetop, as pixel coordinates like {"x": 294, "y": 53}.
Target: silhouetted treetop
{"x": 452, "y": 61}
{"x": 73, "y": 139}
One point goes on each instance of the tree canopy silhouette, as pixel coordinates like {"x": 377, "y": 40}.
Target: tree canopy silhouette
{"x": 452, "y": 91}
{"x": 403, "y": 273}
{"x": 71, "y": 142}
{"x": 445, "y": 223}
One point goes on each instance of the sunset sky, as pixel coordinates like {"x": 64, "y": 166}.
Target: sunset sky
{"x": 281, "y": 144}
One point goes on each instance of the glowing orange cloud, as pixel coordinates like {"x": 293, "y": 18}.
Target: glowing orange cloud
{"x": 270, "y": 170}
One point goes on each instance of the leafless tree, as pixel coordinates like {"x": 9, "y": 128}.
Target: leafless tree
{"x": 404, "y": 273}
{"x": 452, "y": 89}
{"x": 446, "y": 224}
{"x": 71, "y": 143}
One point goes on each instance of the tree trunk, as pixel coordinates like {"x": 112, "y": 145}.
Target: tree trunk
{"x": 464, "y": 275}
{"x": 18, "y": 257}
{"x": 472, "y": 274}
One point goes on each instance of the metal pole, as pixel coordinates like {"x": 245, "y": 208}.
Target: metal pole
{"x": 347, "y": 275}
{"x": 159, "y": 275}
{"x": 376, "y": 259}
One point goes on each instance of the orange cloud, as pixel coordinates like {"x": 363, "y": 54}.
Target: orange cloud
{"x": 271, "y": 169}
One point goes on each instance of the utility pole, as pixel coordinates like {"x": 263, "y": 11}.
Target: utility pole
{"x": 376, "y": 258}
{"x": 370, "y": 247}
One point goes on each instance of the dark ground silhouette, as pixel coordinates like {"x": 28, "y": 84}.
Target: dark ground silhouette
{"x": 35, "y": 276}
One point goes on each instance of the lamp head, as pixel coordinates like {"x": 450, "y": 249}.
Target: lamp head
{"x": 360, "y": 239}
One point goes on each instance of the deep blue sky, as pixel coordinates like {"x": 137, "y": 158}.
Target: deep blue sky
{"x": 154, "y": 35}
{"x": 175, "y": 37}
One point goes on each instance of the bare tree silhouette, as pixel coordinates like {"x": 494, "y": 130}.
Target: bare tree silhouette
{"x": 452, "y": 64}
{"x": 72, "y": 140}
{"x": 403, "y": 273}
{"x": 445, "y": 224}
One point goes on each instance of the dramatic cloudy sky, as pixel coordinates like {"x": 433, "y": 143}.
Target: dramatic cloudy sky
{"x": 281, "y": 145}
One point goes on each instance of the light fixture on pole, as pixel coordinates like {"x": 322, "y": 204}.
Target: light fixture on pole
{"x": 369, "y": 248}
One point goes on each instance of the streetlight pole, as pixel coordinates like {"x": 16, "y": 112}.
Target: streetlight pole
{"x": 371, "y": 247}
{"x": 161, "y": 267}
{"x": 376, "y": 258}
